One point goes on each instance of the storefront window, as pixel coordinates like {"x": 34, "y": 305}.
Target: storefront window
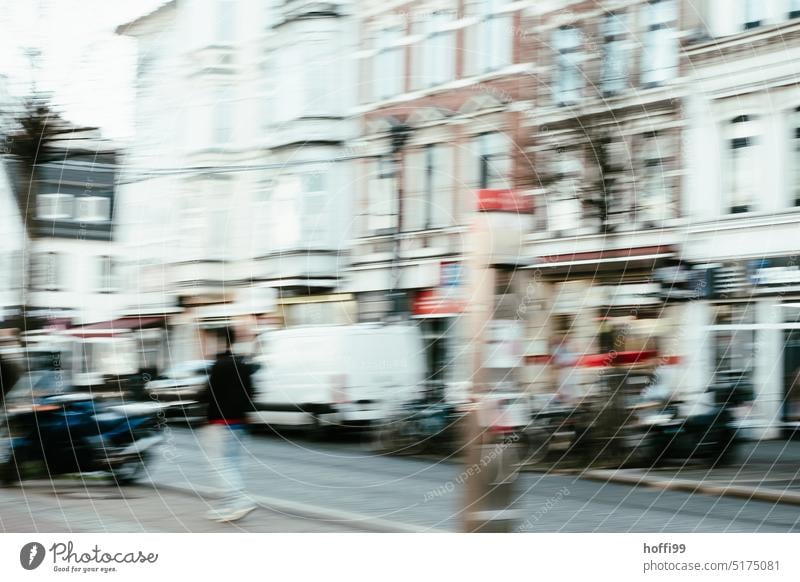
{"x": 734, "y": 342}
{"x": 434, "y": 333}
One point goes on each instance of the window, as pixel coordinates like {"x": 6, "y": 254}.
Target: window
{"x": 286, "y": 208}
{"x": 93, "y": 209}
{"x": 46, "y": 271}
{"x": 615, "y": 56}
{"x": 428, "y": 188}
{"x": 382, "y": 196}
{"x": 291, "y": 91}
{"x": 223, "y": 117}
{"x": 563, "y": 205}
{"x": 319, "y": 70}
{"x": 660, "y": 50}
{"x": 226, "y": 21}
{"x": 752, "y": 13}
{"x": 568, "y": 84}
{"x": 735, "y": 342}
{"x": 653, "y": 192}
{"x": 55, "y": 206}
{"x": 794, "y": 8}
{"x": 494, "y": 161}
{"x": 106, "y": 274}
{"x": 220, "y": 231}
{"x": 389, "y": 64}
{"x": 743, "y": 163}
{"x": 493, "y": 34}
{"x": 264, "y": 221}
{"x": 437, "y": 64}
{"x": 796, "y": 157}
{"x": 315, "y": 208}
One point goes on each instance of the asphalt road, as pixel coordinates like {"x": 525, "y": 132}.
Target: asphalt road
{"x": 347, "y": 476}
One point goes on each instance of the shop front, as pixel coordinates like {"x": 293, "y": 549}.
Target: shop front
{"x": 753, "y": 330}
{"x": 585, "y": 314}
{"x": 439, "y": 313}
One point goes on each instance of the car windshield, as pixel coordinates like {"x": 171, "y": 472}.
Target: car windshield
{"x": 36, "y": 384}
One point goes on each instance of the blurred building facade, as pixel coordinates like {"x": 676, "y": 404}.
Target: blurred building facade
{"x": 67, "y": 251}
{"x": 742, "y": 182}
{"x": 12, "y": 243}
{"x": 334, "y": 154}
{"x": 443, "y": 87}
{"x": 241, "y": 124}
{"x": 605, "y": 139}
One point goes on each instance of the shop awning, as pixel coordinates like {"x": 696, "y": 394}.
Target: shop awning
{"x": 604, "y": 259}
{"x": 114, "y": 326}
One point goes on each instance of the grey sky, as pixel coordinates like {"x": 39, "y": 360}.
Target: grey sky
{"x": 88, "y": 67}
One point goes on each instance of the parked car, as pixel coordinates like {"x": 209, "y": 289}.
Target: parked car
{"x": 182, "y": 390}
{"x": 348, "y": 375}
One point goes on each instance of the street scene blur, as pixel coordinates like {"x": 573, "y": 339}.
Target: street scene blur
{"x": 422, "y": 265}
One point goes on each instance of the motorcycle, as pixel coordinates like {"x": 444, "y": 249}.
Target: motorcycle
{"x": 47, "y": 431}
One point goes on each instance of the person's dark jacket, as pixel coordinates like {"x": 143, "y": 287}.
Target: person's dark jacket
{"x": 230, "y": 389}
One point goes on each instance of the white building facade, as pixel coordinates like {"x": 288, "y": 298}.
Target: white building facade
{"x": 742, "y": 186}
{"x": 236, "y": 180}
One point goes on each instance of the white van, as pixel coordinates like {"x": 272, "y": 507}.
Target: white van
{"x": 336, "y": 375}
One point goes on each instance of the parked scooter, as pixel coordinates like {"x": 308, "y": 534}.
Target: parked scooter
{"x": 46, "y": 430}
{"x": 711, "y": 436}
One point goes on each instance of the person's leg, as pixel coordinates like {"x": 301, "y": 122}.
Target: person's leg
{"x": 238, "y": 503}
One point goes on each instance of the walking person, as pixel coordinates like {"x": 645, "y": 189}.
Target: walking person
{"x": 230, "y": 395}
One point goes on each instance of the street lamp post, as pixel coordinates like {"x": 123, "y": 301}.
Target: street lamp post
{"x": 399, "y": 136}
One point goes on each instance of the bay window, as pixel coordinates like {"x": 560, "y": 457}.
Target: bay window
{"x": 318, "y": 72}
{"x": 568, "y": 84}
{"x": 660, "y": 50}
{"x": 226, "y": 21}
{"x": 222, "y": 122}
{"x": 315, "y": 208}
{"x": 286, "y": 208}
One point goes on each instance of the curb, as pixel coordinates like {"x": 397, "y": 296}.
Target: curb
{"x": 303, "y": 510}
{"x": 690, "y": 486}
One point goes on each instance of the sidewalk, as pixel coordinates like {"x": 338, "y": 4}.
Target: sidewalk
{"x": 73, "y": 506}
{"x": 766, "y": 471}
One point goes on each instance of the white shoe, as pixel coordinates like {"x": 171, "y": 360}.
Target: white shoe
{"x": 237, "y": 513}
{"x": 217, "y": 514}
